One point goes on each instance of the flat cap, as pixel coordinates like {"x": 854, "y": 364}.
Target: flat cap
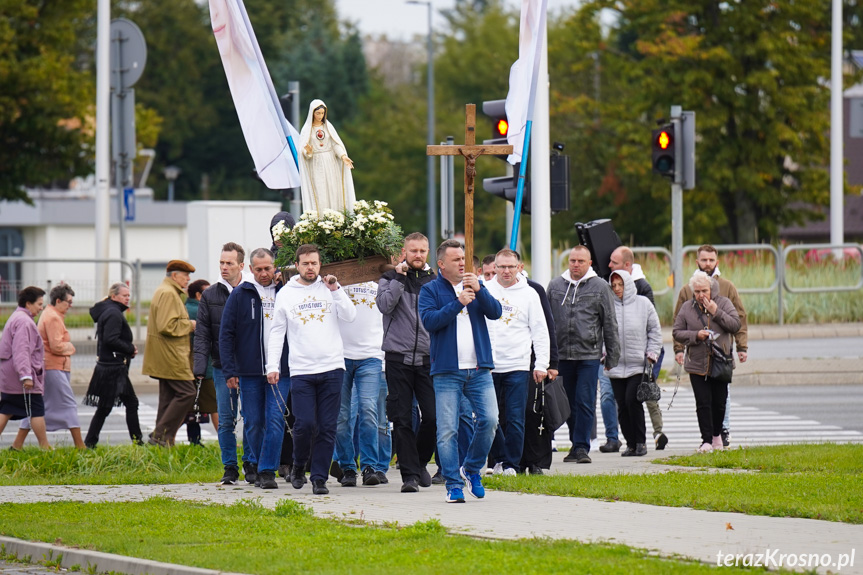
{"x": 180, "y": 266}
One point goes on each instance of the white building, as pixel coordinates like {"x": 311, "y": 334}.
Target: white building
{"x": 60, "y": 225}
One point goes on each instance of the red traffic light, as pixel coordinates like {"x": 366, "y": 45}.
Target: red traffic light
{"x": 663, "y": 140}
{"x": 502, "y": 127}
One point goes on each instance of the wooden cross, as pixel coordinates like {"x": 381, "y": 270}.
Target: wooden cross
{"x": 471, "y": 152}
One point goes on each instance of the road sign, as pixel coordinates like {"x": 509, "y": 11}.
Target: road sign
{"x": 128, "y": 54}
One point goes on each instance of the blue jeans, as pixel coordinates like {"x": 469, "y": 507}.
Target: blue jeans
{"x": 228, "y": 402}
{"x": 264, "y": 416}
{"x": 366, "y": 375}
{"x": 477, "y": 386}
{"x": 316, "y": 399}
{"x": 385, "y": 439}
{"x": 511, "y": 390}
{"x": 579, "y": 381}
{"x": 466, "y": 426}
{"x": 608, "y": 405}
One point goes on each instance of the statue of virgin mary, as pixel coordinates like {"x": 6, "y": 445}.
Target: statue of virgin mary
{"x": 325, "y": 165}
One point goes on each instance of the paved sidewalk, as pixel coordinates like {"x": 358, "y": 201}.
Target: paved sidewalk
{"x": 667, "y": 530}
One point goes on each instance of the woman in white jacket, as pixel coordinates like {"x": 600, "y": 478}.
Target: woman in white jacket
{"x": 640, "y": 337}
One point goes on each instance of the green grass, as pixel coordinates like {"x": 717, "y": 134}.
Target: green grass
{"x": 111, "y": 465}
{"x": 810, "y": 481}
{"x": 247, "y": 538}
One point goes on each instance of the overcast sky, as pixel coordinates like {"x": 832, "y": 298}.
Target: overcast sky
{"x": 400, "y": 21}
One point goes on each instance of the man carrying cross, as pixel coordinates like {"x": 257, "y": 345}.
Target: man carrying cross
{"x": 454, "y": 309}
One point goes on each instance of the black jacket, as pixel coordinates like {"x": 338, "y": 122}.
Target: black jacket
{"x": 553, "y": 356}
{"x": 642, "y": 287}
{"x": 405, "y": 339}
{"x": 113, "y": 334}
{"x": 207, "y": 326}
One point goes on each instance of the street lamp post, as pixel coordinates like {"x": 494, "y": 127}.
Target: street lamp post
{"x": 431, "y": 222}
{"x": 171, "y": 174}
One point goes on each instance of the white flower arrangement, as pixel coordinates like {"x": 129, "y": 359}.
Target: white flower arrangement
{"x": 367, "y": 231}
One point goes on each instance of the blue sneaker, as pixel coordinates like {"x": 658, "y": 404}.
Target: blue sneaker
{"x": 473, "y": 483}
{"x": 454, "y": 495}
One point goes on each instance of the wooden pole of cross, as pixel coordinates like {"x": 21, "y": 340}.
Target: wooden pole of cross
{"x": 471, "y": 152}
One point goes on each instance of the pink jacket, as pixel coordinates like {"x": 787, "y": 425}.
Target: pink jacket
{"x": 21, "y": 354}
{"x": 58, "y": 346}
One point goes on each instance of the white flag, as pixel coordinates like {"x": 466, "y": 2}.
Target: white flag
{"x": 264, "y": 125}
{"x": 524, "y": 73}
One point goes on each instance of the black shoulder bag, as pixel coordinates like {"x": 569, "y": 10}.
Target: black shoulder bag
{"x": 721, "y": 365}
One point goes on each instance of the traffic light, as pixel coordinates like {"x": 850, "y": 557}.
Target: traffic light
{"x": 673, "y": 147}
{"x": 496, "y": 110}
{"x": 663, "y": 143}
{"x": 506, "y": 187}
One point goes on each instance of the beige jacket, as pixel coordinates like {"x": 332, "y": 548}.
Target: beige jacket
{"x": 168, "y": 327}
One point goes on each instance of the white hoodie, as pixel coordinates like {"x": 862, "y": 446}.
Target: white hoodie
{"x": 309, "y": 315}
{"x": 363, "y": 338}
{"x": 521, "y": 324}
{"x": 571, "y": 283}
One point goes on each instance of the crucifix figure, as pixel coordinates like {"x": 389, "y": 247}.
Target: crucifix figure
{"x": 471, "y": 152}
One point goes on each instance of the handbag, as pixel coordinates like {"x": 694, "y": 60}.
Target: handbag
{"x": 648, "y": 389}
{"x": 555, "y": 404}
{"x": 721, "y": 365}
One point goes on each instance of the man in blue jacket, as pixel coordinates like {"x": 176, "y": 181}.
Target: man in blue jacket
{"x": 243, "y": 338}
{"x": 453, "y": 309}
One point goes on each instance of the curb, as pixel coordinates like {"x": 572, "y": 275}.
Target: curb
{"x": 98, "y": 561}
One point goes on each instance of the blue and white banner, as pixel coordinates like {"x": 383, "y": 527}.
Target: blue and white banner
{"x": 268, "y": 134}
{"x": 524, "y": 74}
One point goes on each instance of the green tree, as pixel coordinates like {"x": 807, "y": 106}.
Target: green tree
{"x": 46, "y": 93}
{"x": 753, "y": 73}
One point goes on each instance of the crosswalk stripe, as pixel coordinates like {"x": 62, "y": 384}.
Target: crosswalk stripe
{"x": 749, "y": 425}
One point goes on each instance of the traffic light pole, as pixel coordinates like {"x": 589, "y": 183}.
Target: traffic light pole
{"x": 677, "y": 207}
{"x": 677, "y": 236}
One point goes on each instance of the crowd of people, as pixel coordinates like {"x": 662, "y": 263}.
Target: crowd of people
{"x": 319, "y": 371}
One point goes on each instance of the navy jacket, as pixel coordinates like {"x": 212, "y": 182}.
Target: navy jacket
{"x": 439, "y": 307}
{"x": 241, "y": 335}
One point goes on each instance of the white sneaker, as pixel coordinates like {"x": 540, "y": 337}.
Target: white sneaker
{"x": 498, "y": 469}
{"x": 705, "y": 448}
{"x": 509, "y": 471}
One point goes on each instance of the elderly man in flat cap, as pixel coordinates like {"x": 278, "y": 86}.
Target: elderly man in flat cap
{"x": 166, "y": 357}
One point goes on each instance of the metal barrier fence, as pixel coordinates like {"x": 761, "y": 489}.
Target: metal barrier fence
{"x": 780, "y": 261}
{"x": 133, "y": 266}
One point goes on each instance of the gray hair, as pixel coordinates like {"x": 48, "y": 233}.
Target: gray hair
{"x": 698, "y": 277}
{"x": 60, "y": 292}
{"x": 115, "y": 288}
{"x": 261, "y": 253}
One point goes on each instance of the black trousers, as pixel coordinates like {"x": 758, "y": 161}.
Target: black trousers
{"x": 710, "y": 398}
{"x": 106, "y": 404}
{"x": 537, "y": 443}
{"x": 630, "y": 411}
{"x": 404, "y": 382}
